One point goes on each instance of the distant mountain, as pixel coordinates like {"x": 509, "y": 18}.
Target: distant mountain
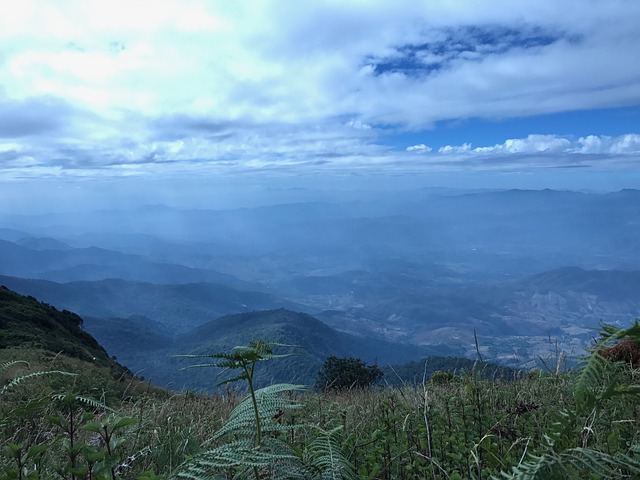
{"x": 50, "y": 259}
{"x": 12, "y": 235}
{"x": 606, "y": 284}
{"x": 318, "y": 341}
{"x": 423, "y": 267}
{"x": 178, "y": 307}
{"x": 42, "y": 243}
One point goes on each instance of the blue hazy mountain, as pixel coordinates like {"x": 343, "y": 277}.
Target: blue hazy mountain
{"x": 422, "y": 267}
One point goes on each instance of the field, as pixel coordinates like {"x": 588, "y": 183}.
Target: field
{"x": 543, "y": 425}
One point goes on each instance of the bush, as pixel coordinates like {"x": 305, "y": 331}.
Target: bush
{"x": 346, "y": 373}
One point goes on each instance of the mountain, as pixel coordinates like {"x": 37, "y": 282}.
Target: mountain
{"x": 42, "y": 243}
{"x": 12, "y": 235}
{"x": 152, "y": 358}
{"x": 179, "y": 307}
{"x": 608, "y": 285}
{"x": 26, "y": 323}
{"x": 51, "y": 259}
{"x": 419, "y": 267}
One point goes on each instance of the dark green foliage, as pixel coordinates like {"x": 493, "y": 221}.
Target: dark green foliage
{"x": 318, "y": 341}
{"x": 254, "y": 439}
{"x": 27, "y": 323}
{"x": 347, "y": 373}
{"x": 414, "y": 373}
{"x": 564, "y": 426}
{"x": 574, "y": 446}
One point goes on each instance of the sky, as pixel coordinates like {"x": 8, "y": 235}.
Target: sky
{"x": 452, "y": 92}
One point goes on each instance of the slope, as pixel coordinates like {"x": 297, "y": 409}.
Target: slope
{"x": 29, "y": 324}
{"x": 179, "y": 307}
{"x": 317, "y": 341}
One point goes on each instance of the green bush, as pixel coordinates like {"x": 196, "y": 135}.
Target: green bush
{"x": 346, "y": 373}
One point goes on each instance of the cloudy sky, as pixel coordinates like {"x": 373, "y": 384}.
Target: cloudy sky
{"x": 168, "y": 89}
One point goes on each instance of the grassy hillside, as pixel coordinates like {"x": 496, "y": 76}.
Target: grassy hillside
{"x": 29, "y": 324}
{"x": 43, "y": 338}
{"x": 565, "y": 426}
{"x": 539, "y": 426}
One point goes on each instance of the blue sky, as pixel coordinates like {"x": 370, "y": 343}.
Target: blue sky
{"x": 144, "y": 89}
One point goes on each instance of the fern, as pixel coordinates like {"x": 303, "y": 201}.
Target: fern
{"x": 574, "y": 462}
{"x": 566, "y": 453}
{"x": 328, "y": 461}
{"x": 242, "y": 420}
{"x": 70, "y": 399}
{"x": 14, "y": 382}
{"x": 249, "y": 443}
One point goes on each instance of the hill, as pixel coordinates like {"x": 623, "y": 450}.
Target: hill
{"x": 179, "y": 307}
{"x": 51, "y": 259}
{"x": 48, "y": 339}
{"x": 29, "y": 324}
{"x": 152, "y": 358}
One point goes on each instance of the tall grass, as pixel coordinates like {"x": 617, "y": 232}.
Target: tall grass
{"x": 542, "y": 425}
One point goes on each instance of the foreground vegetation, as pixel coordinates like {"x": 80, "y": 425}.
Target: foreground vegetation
{"x": 541, "y": 425}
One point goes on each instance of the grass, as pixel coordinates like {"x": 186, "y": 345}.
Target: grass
{"x": 448, "y": 428}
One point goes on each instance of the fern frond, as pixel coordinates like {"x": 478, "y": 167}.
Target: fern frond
{"x": 328, "y": 460}
{"x": 537, "y": 467}
{"x": 70, "y": 399}
{"x": 243, "y": 455}
{"x": 608, "y": 466}
{"x": 18, "y": 380}
{"x": 578, "y": 463}
{"x": 242, "y": 419}
{"x": 597, "y": 380}
{"x": 7, "y": 365}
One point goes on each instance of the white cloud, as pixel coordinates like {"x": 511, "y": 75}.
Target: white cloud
{"x": 628, "y": 144}
{"x": 464, "y": 148}
{"x": 621, "y": 145}
{"x": 288, "y": 82}
{"x": 531, "y": 144}
{"x": 422, "y": 148}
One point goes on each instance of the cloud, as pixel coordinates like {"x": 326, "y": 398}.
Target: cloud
{"x": 464, "y": 148}
{"x": 154, "y": 87}
{"x": 34, "y": 116}
{"x": 621, "y": 145}
{"x": 628, "y": 144}
{"x": 422, "y": 148}
{"x": 531, "y": 144}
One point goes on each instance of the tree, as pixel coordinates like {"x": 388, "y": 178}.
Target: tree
{"x": 345, "y": 373}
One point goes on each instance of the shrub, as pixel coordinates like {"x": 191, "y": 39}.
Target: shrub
{"x": 346, "y": 373}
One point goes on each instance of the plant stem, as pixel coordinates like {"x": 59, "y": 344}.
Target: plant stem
{"x": 258, "y": 438}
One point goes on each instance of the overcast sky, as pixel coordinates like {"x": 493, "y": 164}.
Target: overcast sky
{"x": 165, "y": 89}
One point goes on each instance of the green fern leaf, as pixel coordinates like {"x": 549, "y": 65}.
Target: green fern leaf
{"x": 328, "y": 460}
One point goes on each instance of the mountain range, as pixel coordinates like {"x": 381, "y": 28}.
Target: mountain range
{"x": 526, "y": 272}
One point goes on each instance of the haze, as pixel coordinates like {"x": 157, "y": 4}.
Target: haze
{"x": 405, "y": 171}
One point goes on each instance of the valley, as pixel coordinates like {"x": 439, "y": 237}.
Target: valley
{"x": 530, "y": 273}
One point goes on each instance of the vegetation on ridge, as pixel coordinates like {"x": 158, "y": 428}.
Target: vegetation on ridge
{"x": 28, "y": 323}
{"x": 539, "y": 426}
